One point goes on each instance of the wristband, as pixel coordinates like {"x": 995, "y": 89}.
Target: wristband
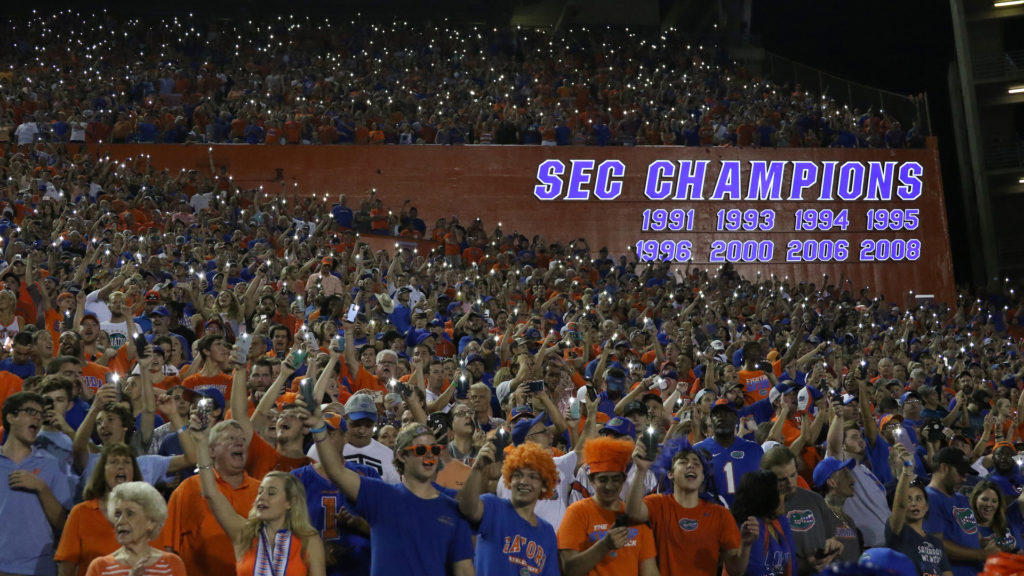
{"x": 183, "y": 429}
{"x": 207, "y": 467}
{"x": 322, "y": 428}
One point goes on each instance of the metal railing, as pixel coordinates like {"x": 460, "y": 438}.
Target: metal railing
{"x": 905, "y": 108}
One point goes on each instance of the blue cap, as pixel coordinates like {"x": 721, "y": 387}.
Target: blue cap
{"x": 361, "y": 407}
{"x": 160, "y": 311}
{"x": 888, "y": 559}
{"x": 474, "y": 357}
{"x": 829, "y": 466}
{"x": 518, "y": 412}
{"x": 532, "y": 334}
{"x": 523, "y": 426}
{"x": 212, "y": 394}
{"x": 615, "y": 382}
{"x": 621, "y": 426}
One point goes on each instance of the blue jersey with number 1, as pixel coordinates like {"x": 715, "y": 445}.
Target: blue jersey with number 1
{"x": 731, "y": 463}
{"x": 348, "y": 553}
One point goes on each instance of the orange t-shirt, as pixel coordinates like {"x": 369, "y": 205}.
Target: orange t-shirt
{"x": 264, "y": 458}
{"x": 755, "y": 385}
{"x": 87, "y": 535}
{"x": 168, "y": 565}
{"x": 94, "y": 375}
{"x": 691, "y": 540}
{"x": 585, "y": 523}
{"x": 296, "y": 566}
{"x": 192, "y": 531}
{"x": 9, "y": 384}
{"x": 221, "y": 382}
{"x": 367, "y": 381}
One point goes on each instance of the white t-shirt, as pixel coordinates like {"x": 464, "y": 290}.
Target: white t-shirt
{"x": 554, "y": 509}
{"x": 26, "y": 133}
{"x": 93, "y": 305}
{"x": 375, "y": 455}
{"x": 119, "y": 332}
{"x": 201, "y": 202}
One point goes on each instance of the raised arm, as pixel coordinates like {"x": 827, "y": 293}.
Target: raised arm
{"x": 347, "y": 480}
{"x": 229, "y": 520}
{"x": 635, "y": 507}
{"x": 476, "y": 484}
{"x": 899, "y": 499}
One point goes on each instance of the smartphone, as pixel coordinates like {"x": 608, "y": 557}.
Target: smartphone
{"x": 574, "y": 409}
{"x": 353, "y": 313}
{"x": 862, "y": 370}
{"x": 140, "y": 345}
{"x": 500, "y": 441}
{"x": 115, "y": 379}
{"x": 591, "y": 393}
{"x": 242, "y": 346}
{"x": 650, "y": 440}
{"x": 536, "y": 385}
{"x": 298, "y": 358}
{"x": 338, "y": 343}
{"x": 306, "y": 391}
{"x": 621, "y": 521}
{"x": 203, "y": 410}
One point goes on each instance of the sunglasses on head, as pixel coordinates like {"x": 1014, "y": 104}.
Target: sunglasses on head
{"x": 422, "y": 449}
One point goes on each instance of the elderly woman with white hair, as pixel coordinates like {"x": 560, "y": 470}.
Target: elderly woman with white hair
{"x": 138, "y": 512}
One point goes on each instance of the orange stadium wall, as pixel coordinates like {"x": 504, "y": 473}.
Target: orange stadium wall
{"x": 745, "y": 199}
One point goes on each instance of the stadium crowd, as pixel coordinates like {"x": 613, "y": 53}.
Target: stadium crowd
{"x": 89, "y": 77}
{"x": 200, "y": 379}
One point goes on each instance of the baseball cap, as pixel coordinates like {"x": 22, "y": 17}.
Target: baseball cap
{"x": 361, "y": 407}
{"x": 889, "y": 418}
{"x": 717, "y": 345}
{"x": 954, "y": 457}
{"x": 474, "y": 357}
{"x": 621, "y": 427}
{"x": 519, "y": 412}
{"x": 160, "y": 311}
{"x": 888, "y": 559}
{"x": 634, "y": 407}
{"x": 829, "y": 466}
{"x": 909, "y": 395}
{"x": 779, "y": 390}
{"x": 335, "y": 422}
{"x": 522, "y": 428}
{"x": 153, "y": 296}
{"x": 723, "y": 403}
{"x": 89, "y": 315}
{"x": 211, "y": 393}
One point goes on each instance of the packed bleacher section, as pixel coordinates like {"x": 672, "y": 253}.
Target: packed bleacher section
{"x": 90, "y": 77}
{"x": 191, "y": 354}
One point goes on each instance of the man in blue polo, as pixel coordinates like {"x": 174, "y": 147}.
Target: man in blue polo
{"x": 34, "y": 494}
{"x": 731, "y": 456}
{"x": 950, "y": 517}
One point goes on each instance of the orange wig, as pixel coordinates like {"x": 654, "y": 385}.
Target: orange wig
{"x": 530, "y": 455}
{"x": 606, "y": 454}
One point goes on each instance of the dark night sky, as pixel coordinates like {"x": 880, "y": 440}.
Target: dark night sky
{"x": 901, "y": 46}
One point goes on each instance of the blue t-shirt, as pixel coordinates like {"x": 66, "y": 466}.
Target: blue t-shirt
{"x": 324, "y": 501}
{"x": 26, "y": 536}
{"x": 770, "y": 555}
{"x": 926, "y": 552}
{"x": 951, "y": 517}
{"x": 731, "y": 463}
{"x": 508, "y": 545}
{"x": 412, "y": 536}
{"x": 23, "y": 371}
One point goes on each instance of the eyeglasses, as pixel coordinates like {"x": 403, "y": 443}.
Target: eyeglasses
{"x": 31, "y": 411}
{"x": 422, "y": 449}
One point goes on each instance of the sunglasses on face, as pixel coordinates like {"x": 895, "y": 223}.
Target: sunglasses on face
{"x": 422, "y": 449}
